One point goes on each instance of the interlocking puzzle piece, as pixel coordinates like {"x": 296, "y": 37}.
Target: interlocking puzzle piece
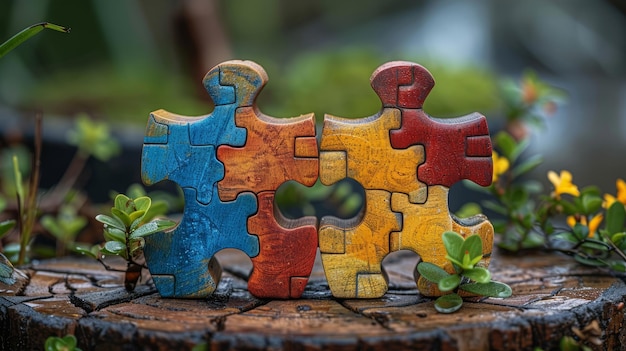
{"x": 423, "y": 225}
{"x": 352, "y": 250}
{"x": 287, "y": 251}
{"x": 373, "y": 152}
{"x": 276, "y": 150}
{"x": 456, "y": 148}
{"x": 183, "y": 149}
{"x": 259, "y": 153}
{"x": 181, "y": 260}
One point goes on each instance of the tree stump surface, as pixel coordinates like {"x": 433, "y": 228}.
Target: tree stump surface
{"x": 552, "y": 296}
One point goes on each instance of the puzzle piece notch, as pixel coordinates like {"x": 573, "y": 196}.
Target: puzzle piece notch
{"x": 276, "y": 150}
{"x": 186, "y": 253}
{"x": 287, "y": 251}
{"x": 456, "y": 148}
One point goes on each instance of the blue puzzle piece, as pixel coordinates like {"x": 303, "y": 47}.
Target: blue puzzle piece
{"x": 181, "y": 260}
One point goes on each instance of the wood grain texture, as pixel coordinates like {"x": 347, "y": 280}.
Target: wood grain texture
{"x": 286, "y": 254}
{"x": 551, "y": 295}
{"x": 268, "y": 158}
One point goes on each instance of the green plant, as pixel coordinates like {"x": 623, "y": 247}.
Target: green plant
{"x": 464, "y": 254}
{"x": 26, "y": 34}
{"x": 66, "y": 343}
{"x": 65, "y": 226}
{"x": 124, "y": 230}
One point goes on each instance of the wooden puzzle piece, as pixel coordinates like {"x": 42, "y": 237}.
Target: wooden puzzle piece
{"x": 287, "y": 251}
{"x": 423, "y": 225}
{"x": 259, "y": 153}
{"x": 352, "y": 250}
{"x": 360, "y": 149}
{"x": 183, "y": 150}
{"x": 181, "y": 260}
{"x": 276, "y": 150}
{"x": 456, "y": 148}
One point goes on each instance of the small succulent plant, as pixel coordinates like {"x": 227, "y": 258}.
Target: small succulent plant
{"x": 464, "y": 254}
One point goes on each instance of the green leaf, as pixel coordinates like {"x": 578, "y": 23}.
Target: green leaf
{"x": 114, "y": 234}
{"x": 491, "y": 289}
{"x": 593, "y": 244}
{"x": 124, "y": 203}
{"x": 6, "y": 226}
{"x": 152, "y": 227}
{"x": 85, "y": 251}
{"x": 111, "y": 221}
{"x": 26, "y": 34}
{"x": 122, "y": 216}
{"x": 527, "y": 166}
{"x": 591, "y": 203}
{"x": 617, "y": 238}
{"x": 589, "y": 261}
{"x": 431, "y": 272}
{"x": 143, "y": 203}
{"x": 615, "y": 217}
{"x": 506, "y": 144}
{"x": 581, "y": 232}
{"x": 567, "y": 236}
{"x": 448, "y": 303}
{"x": 137, "y": 215}
{"x": 473, "y": 245}
{"x": 450, "y": 282}
{"x": 453, "y": 243}
{"x": 114, "y": 248}
{"x": 478, "y": 274}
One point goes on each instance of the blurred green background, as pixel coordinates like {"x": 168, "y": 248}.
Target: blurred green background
{"x": 124, "y": 59}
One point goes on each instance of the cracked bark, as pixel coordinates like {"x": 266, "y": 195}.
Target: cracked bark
{"x": 552, "y": 295}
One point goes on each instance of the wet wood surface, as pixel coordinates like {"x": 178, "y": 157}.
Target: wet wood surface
{"x": 552, "y": 297}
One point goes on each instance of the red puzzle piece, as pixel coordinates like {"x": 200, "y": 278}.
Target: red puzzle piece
{"x": 456, "y": 148}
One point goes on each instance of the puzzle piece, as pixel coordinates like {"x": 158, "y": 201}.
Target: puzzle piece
{"x": 373, "y": 151}
{"x": 287, "y": 249}
{"x": 352, "y": 251}
{"x": 181, "y": 260}
{"x": 456, "y": 148}
{"x": 276, "y": 150}
{"x": 258, "y": 154}
{"x": 183, "y": 149}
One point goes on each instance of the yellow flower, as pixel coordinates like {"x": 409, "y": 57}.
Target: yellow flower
{"x": 609, "y": 199}
{"x": 500, "y": 165}
{"x": 562, "y": 184}
{"x": 594, "y": 223}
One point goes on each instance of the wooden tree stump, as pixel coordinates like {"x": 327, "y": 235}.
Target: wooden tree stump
{"x": 552, "y": 295}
